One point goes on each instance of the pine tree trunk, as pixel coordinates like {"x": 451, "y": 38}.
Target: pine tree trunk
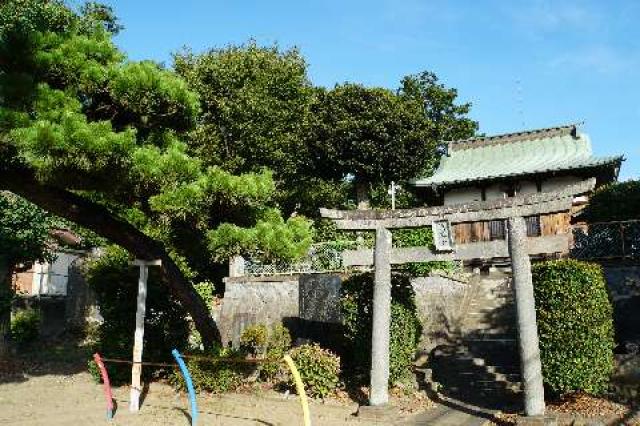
{"x": 98, "y": 219}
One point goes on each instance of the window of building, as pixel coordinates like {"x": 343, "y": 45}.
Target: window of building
{"x": 496, "y": 229}
{"x": 533, "y": 226}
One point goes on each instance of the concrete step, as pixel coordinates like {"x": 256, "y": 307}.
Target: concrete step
{"x": 496, "y": 338}
{"x": 503, "y": 369}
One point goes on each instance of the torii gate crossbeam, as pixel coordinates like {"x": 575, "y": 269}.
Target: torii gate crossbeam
{"x": 518, "y": 248}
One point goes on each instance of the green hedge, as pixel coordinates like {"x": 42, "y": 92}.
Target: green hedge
{"x": 575, "y": 325}
{"x": 624, "y": 196}
{"x": 356, "y": 304}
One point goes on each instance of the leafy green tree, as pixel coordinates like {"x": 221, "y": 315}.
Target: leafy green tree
{"x": 255, "y": 106}
{"x": 99, "y": 140}
{"x": 24, "y": 230}
{"x": 370, "y": 134}
{"x": 448, "y": 120}
{"x": 256, "y": 110}
{"x": 616, "y": 201}
{"x": 375, "y": 135}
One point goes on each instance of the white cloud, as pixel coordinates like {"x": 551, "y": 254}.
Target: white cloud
{"x": 602, "y": 59}
{"x": 541, "y": 18}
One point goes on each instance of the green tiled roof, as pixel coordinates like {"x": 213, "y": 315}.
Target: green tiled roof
{"x": 526, "y": 153}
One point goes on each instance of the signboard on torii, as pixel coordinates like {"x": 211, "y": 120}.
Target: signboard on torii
{"x": 518, "y": 247}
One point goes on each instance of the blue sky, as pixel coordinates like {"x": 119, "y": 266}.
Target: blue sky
{"x": 522, "y": 64}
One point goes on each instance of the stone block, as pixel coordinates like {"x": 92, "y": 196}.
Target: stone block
{"x": 378, "y": 413}
{"x": 544, "y": 420}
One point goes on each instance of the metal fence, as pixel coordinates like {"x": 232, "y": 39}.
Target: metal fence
{"x": 610, "y": 240}
{"x": 322, "y": 257}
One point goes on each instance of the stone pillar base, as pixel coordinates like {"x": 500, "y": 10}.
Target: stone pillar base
{"x": 379, "y": 413}
{"x": 545, "y": 420}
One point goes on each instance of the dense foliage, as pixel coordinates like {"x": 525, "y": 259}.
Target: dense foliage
{"x": 257, "y": 342}
{"x": 24, "y": 230}
{"x": 375, "y": 135}
{"x": 255, "y": 106}
{"x": 370, "y": 133}
{"x": 101, "y": 140}
{"x": 25, "y": 326}
{"x": 268, "y": 343}
{"x": 625, "y": 196}
{"x": 356, "y": 304}
{"x": 115, "y": 284}
{"x": 575, "y": 325}
{"x": 319, "y": 369}
{"x": 256, "y": 112}
{"x": 259, "y": 109}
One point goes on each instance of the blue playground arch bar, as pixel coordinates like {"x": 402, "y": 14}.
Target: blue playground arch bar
{"x": 187, "y": 379}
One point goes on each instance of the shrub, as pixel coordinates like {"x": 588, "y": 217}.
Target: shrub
{"x": 575, "y": 324}
{"x": 278, "y": 344}
{"x": 419, "y": 237}
{"x": 270, "y": 344}
{"x": 625, "y": 196}
{"x": 357, "y": 300}
{"x": 319, "y": 369}
{"x": 115, "y": 284}
{"x": 215, "y": 377}
{"x": 253, "y": 340}
{"x": 25, "y": 326}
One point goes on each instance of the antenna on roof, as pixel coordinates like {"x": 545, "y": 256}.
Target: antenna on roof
{"x": 519, "y": 103}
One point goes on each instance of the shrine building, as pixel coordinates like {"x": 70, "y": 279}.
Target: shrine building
{"x": 493, "y": 167}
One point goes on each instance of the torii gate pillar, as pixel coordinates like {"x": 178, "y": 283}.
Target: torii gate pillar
{"x": 530, "y": 364}
{"x": 379, "y": 390}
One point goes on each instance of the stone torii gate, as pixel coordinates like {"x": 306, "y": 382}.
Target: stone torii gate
{"x": 518, "y": 247}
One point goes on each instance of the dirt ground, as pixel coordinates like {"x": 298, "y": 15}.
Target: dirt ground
{"x": 75, "y": 400}
{"x": 70, "y": 397}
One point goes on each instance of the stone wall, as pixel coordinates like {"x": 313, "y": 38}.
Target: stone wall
{"x": 308, "y": 305}
{"x": 81, "y": 306}
{"x": 253, "y": 300}
{"x": 623, "y": 279}
{"x": 440, "y": 304}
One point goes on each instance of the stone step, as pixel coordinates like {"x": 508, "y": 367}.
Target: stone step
{"x": 472, "y": 377}
{"x": 503, "y": 369}
{"x": 493, "y": 338}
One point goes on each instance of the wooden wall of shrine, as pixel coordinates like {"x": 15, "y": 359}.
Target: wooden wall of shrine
{"x": 537, "y": 226}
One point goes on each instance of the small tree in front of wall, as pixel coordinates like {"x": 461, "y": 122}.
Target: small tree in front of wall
{"x": 357, "y": 314}
{"x": 24, "y": 230}
{"x": 575, "y": 323}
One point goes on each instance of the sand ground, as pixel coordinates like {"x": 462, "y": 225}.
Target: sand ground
{"x": 74, "y": 399}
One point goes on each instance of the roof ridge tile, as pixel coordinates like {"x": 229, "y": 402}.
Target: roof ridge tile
{"x": 482, "y": 141}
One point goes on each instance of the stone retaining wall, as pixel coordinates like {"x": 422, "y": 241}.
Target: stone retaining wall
{"x": 254, "y": 300}
{"x": 623, "y": 280}
{"x": 308, "y": 305}
{"x": 440, "y": 304}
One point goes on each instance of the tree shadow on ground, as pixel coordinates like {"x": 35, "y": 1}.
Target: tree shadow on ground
{"x": 480, "y": 368}
{"x": 459, "y": 405}
{"x": 64, "y": 355}
{"x": 227, "y": 416}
